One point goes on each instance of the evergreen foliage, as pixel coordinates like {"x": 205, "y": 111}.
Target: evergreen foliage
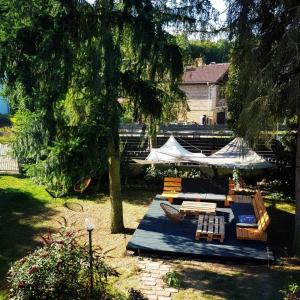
{"x": 264, "y": 78}
{"x": 64, "y": 65}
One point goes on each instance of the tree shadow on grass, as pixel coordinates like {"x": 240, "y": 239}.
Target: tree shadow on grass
{"x": 281, "y": 231}
{"x": 246, "y": 282}
{"x": 20, "y": 213}
{"x": 138, "y": 197}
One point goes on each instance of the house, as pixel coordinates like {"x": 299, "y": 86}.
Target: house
{"x": 205, "y": 97}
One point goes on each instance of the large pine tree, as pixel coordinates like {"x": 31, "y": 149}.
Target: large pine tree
{"x": 64, "y": 66}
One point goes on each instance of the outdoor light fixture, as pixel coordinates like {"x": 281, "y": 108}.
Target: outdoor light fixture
{"x": 90, "y": 227}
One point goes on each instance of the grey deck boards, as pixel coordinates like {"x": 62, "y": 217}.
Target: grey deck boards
{"x": 157, "y": 234}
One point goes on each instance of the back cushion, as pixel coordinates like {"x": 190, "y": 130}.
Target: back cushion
{"x": 204, "y": 185}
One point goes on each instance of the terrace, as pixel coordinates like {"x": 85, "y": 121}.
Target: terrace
{"x": 156, "y": 234}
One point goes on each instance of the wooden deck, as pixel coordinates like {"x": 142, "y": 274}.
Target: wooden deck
{"x": 156, "y": 234}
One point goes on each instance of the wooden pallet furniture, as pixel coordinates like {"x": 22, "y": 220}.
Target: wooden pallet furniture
{"x": 172, "y": 213}
{"x": 211, "y": 228}
{"x": 257, "y": 232}
{"x": 230, "y": 193}
{"x": 172, "y": 186}
{"x": 196, "y": 208}
{"x": 82, "y": 184}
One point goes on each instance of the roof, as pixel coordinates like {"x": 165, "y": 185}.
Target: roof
{"x": 208, "y": 73}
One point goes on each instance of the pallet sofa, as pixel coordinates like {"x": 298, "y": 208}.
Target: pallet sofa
{"x": 196, "y": 189}
{"x": 251, "y": 231}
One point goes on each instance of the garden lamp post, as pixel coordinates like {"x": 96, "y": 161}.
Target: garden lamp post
{"x": 89, "y": 227}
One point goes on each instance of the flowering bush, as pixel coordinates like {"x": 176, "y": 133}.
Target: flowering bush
{"x": 59, "y": 270}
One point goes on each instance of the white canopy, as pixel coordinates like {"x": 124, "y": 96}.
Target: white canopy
{"x": 170, "y": 152}
{"x": 237, "y": 154}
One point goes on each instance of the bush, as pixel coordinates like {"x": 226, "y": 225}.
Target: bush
{"x": 59, "y": 270}
{"x": 292, "y": 292}
{"x": 136, "y": 295}
{"x": 172, "y": 279}
{"x": 155, "y": 175}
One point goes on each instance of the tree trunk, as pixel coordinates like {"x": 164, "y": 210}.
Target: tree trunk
{"x": 115, "y": 187}
{"x": 297, "y": 193}
{"x": 152, "y": 133}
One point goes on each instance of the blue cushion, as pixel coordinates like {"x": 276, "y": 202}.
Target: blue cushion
{"x": 250, "y": 219}
{"x": 241, "y": 209}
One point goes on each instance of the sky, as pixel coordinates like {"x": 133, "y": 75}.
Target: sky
{"x": 221, "y": 7}
{"x": 218, "y": 4}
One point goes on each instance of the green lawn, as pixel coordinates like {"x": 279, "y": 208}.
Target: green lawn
{"x": 27, "y": 211}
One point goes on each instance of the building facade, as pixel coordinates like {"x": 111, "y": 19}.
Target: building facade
{"x": 205, "y": 97}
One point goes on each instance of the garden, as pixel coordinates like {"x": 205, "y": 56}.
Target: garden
{"x": 72, "y": 204}
{"x": 29, "y": 213}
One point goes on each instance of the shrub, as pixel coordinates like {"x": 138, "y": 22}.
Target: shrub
{"x": 59, "y": 270}
{"x": 292, "y": 292}
{"x": 155, "y": 175}
{"x": 172, "y": 279}
{"x": 136, "y": 295}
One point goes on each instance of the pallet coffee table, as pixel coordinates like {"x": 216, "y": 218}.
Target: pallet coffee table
{"x": 211, "y": 228}
{"x": 197, "y": 208}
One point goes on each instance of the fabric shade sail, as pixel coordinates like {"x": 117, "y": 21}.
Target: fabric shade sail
{"x": 170, "y": 152}
{"x": 236, "y": 155}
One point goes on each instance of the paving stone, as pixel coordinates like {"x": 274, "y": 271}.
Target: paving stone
{"x": 163, "y": 272}
{"x": 163, "y": 293}
{"x": 165, "y": 267}
{"x": 152, "y": 283}
{"x": 148, "y": 278}
{"x": 152, "y": 267}
{"x": 160, "y": 281}
{"x": 152, "y": 297}
{"x": 157, "y": 288}
{"x": 164, "y": 298}
{"x": 156, "y": 275}
{"x": 172, "y": 290}
{"x": 147, "y": 287}
{"x": 154, "y": 271}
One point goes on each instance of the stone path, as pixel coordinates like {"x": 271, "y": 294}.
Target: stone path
{"x": 152, "y": 273}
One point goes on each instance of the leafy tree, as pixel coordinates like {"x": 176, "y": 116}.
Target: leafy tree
{"x": 265, "y": 76}
{"x": 210, "y": 51}
{"x": 65, "y": 64}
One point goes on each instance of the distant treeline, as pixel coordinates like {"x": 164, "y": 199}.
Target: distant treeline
{"x": 210, "y": 51}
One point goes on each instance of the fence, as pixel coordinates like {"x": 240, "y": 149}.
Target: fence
{"x": 7, "y": 164}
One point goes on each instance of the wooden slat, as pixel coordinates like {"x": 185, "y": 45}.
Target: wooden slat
{"x": 173, "y": 188}
{"x": 172, "y": 179}
{"x": 217, "y": 225}
{"x": 172, "y": 184}
{"x": 211, "y": 227}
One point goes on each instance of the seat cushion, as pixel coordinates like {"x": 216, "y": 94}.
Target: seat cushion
{"x": 249, "y": 219}
{"x": 252, "y": 225}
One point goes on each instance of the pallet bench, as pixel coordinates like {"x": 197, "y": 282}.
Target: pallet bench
{"x": 211, "y": 228}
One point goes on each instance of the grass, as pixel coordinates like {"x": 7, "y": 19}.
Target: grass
{"x": 27, "y": 211}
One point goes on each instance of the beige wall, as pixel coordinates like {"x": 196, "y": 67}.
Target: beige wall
{"x": 202, "y": 100}
{"x": 195, "y": 91}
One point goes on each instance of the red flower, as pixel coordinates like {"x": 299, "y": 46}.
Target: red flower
{"x": 21, "y": 284}
{"x": 33, "y": 269}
